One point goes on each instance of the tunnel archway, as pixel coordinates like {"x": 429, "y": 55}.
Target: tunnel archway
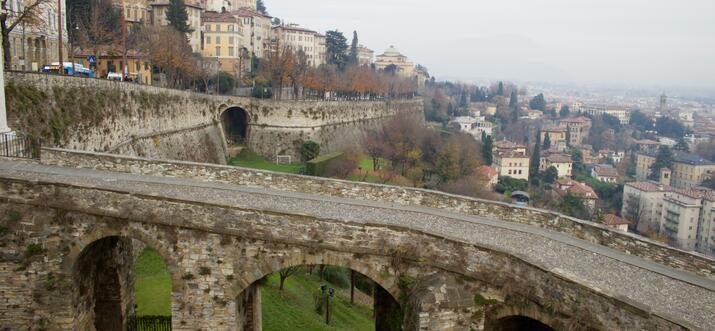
{"x": 107, "y": 286}
{"x": 520, "y": 323}
{"x": 234, "y": 121}
{"x": 301, "y": 287}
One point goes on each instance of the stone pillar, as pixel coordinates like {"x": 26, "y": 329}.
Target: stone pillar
{"x": 248, "y": 309}
{"x": 3, "y": 109}
{"x": 388, "y": 314}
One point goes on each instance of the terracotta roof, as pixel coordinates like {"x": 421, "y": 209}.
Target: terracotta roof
{"x": 559, "y": 158}
{"x": 611, "y": 219}
{"x": 487, "y": 170}
{"x": 248, "y": 12}
{"x": 649, "y": 187}
{"x": 605, "y": 171}
{"x": 579, "y": 120}
{"x": 565, "y": 186}
{"x": 553, "y": 128}
{"x": 212, "y": 16}
{"x": 646, "y": 142}
{"x": 293, "y": 28}
{"x": 507, "y": 144}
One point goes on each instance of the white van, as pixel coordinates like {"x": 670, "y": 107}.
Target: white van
{"x": 115, "y": 76}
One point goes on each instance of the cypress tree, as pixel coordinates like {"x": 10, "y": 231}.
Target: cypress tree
{"x": 547, "y": 142}
{"x": 354, "y": 49}
{"x": 535, "y": 157}
{"x": 178, "y": 17}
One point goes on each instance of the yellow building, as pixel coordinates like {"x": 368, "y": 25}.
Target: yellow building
{"x": 112, "y": 61}
{"x": 510, "y": 160}
{"x": 578, "y": 129}
{"x": 557, "y": 136}
{"x": 392, "y": 56}
{"x": 224, "y": 39}
{"x": 689, "y": 170}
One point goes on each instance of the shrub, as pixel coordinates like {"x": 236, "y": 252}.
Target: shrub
{"x": 309, "y": 150}
{"x": 319, "y": 165}
{"x": 339, "y": 277}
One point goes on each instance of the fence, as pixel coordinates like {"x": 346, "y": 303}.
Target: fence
{"x": 19, "y": 146}
{"x": 149, "y": 323}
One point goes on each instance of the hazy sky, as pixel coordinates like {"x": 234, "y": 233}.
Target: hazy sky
{"x": 616, "y": 42}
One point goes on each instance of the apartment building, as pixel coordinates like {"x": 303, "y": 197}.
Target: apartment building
{"x": 622, "y": 114}
{"x": 689, "y": 170}
{"x": 194, "y": 8}
{"x": 257, "y": 29}
{"x": 37, "y": 44}
{"x": 562, "y": 163}
{"x": 300, "y": 40}
{"x": 223, "y": 39}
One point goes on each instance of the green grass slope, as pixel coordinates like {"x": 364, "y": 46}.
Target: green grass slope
{"x": 152, "y": 285}
{"x": 249, "y": 159}
{"x": 294, "y": 308}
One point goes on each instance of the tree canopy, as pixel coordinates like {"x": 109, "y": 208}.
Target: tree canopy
{"x": 664, "y": 159}
{"x": 261, "y": 7}
{"x": 538, "y": 102}
{"x": 353, "y": 59}
{"x": 336, "y": 47}
{"x": 669, "y": 127}
{"x": 178, "y": 17}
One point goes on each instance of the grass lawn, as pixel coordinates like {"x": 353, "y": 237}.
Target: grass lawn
{"x": 249, "y": 159}
{"x": 293, "y": 309}
{"x": 152, "y": 285}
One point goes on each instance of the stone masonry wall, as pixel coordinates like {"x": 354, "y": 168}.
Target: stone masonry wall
{"x": 118, "y": 117}
{"x": 214, "y": 252}
{"x": 585, "y": 230}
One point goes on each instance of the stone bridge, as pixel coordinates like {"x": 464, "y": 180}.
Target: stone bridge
{"x": 448, "y": 263}
{"x": 123, "y": 118}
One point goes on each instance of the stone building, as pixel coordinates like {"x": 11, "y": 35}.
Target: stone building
{"x": 194, "y": 8}
{"x": 403, "y": 67}
{"x": 565, "y": 186}
{"x": 136, "y": 12}
{"x": 34, "y": 45}
{"x": 578, "y": 129}
{"x": 366, "y": 56}
{"x": 615, "y": 222}
{"x": 689, "y": 170}
{"x": 224, "y": 40}
{"x": 557, "y": 136}
{"x": 605, "y": 173}
{"x": 510, "y": 160}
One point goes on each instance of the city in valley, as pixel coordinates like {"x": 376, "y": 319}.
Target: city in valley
{"x": 384, "y": 165}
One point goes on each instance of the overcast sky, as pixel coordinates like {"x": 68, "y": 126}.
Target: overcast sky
{"x": 614, "y": 42}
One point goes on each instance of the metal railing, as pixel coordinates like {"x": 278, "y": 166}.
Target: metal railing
{"x": 19, "y": 146}
{"x": 149, "y": 323}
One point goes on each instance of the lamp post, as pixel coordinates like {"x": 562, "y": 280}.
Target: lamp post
{"x": 327, "y": 292}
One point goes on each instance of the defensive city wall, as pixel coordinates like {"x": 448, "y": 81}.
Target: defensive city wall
{"x": 131, "y": 119}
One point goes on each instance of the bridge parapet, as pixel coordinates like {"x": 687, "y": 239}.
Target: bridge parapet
{"x": 589, "y": 231}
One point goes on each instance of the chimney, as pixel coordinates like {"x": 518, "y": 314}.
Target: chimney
{"x": 665, "y": 176}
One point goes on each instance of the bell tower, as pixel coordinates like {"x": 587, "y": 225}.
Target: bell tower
{"x": 246, "y": 4}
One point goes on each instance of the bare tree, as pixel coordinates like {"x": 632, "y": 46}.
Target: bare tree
{"x": 285, "y": 273}
{"x": 28, "y": 13}
{"x": 169, "y": 51}
{"x": 101, "y": 30}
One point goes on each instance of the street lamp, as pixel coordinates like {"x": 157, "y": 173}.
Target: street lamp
{"x": 327, "y": 292}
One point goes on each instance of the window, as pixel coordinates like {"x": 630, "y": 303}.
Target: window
{"x": 208, "y": 39}
{"x": 230, "y": 40}
{"x": 230, "y": 27}
{"x": 218, "y": 28}
{"x": 218, "y": 39}
{"x": 208, "y": 27}
{"x": 230, "y": 51}
{"x": 519, "y": 172}
{"x": 137, "y": 66}
{"x": 510, "y": 172}
{"x": 218, "y": 50}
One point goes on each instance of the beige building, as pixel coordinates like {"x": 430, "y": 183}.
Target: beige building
{"x": 224, "y": 40}
{"x": 194, "y": 8}
{"x": 366, "y": 56}
{"x": 616, "y": 223}
{"x": 136, "y": 12}
{"x": 257, "y": 29}
{"x": 561, "y": 162}
{"x": 392, "y": 56}
{"x": 510, "y": 160}
{"x": 557, "y": 136}
{"x": 32, "y": 46}
{"x": 578, "y": 129}
{"x": 565, "y": 186}
{"x": 605, "y": 173}
{"x": 685, "y": 216}
{"x": 301, "y": 40}
{"x": 689, "y": 170}
{"x": 622, "y": 114}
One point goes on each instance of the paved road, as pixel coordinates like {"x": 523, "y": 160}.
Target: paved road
{"x": 673, "y": 294}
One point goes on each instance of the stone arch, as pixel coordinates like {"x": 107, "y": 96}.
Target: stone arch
{"x": 525, "y": 315}
{"x": 235, "y": 122}
{"x": 518, "y": 322}
{"x": 100, "y": 264}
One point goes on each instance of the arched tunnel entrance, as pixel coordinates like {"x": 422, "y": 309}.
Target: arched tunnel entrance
{"x": 121, "y": 285}
{"x": 310, "y": 296}
{"x": 235, "y": 125}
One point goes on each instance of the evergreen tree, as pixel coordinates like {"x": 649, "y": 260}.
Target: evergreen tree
{"x": 514, "y": 100}
{"x": 664, "y": 159}
{"x": 535, "y": 157}
{"x": 578, "y": 167}
{"x": 487, "y": 146}
{"x": 450, "y": 109}
{"x": 261, "y": 7}
{"x": 336, "y": 46}
{"x": 538, "y": 102}
{"x": 547, "y": 142}
{"x": 500, "y": 89}
{"x": 565, "y": 111}
{"x": 178, "y": 17}
{"x": 550, "y": 175}
{"x": 682, "y": 146}
{"x": 354, "y": 49}
{"x": 463, "y": 100}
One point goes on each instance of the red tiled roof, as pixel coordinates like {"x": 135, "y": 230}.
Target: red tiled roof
{"x": 605, "y": 171}
{"x": 559, "y": 158}
{"x": 212, "y": 16}
{"x": 574, "y": 188}
{"x": 580, "y": 120}
{"x": 487, "y": 170}
{"x": 611, "y": 219}
{"x": 553, "y": 128}
{"x": 649, "y": 187}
